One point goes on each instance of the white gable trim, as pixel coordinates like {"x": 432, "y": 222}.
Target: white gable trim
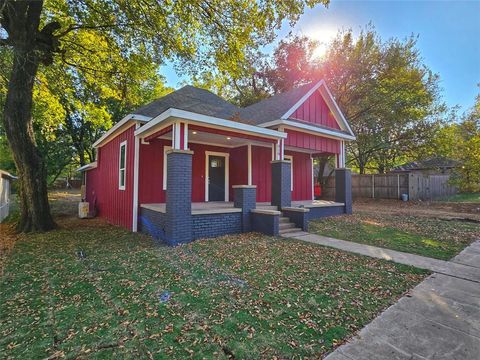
{"x": 208, "y": 120}
{"x": 310, "y": 129}
{"x": 331, "y": 103}
{"x": 118, "y": 126}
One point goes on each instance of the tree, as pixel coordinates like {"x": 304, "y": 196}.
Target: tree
{"x": 207, "y": 34}
{"x": 389, "y": 96}
{"x": 460, "y": 140}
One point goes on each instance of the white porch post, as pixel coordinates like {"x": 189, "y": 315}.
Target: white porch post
{"x": 136, "y": 161}
{"x": 279, "y": 149}
{"x": 249, "y": 159}
{"x": 180, "y": 136}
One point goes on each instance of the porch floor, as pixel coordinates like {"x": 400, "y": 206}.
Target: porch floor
{"x": 222, "y": 207}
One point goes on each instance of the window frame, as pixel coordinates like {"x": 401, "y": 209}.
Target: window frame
{"x": 123, "y": 144}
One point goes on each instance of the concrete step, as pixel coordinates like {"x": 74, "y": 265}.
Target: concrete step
{"x": 284, "y": 226}
{"x": 267, "y": 207}
{"x": 283, "y": 219}
{"x": 289, "y": 230}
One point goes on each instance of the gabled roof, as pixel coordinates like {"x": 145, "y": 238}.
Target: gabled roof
{"x": 275, "y": 107}
{"x": 190, "y": 98}
{"x": 435, "y": 162}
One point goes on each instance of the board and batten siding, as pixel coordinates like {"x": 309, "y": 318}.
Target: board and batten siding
{"x": 306, "y": 141}
{"x": 102, "y": 186}
{"x": 302, "y": 175}
{"x": 316, "y": 111}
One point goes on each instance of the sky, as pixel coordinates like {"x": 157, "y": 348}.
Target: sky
{"x": 449, "y": 36}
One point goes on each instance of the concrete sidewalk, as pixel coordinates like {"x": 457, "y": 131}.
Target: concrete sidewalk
{"x": 438, "y": 319}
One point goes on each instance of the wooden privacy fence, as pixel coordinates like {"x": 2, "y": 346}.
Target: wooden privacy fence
{"x": 392, "y": 186}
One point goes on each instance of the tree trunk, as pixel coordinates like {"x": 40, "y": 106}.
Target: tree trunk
{"x": 35, "y": 209}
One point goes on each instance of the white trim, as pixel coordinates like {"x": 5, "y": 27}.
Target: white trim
{"x": 211, "y": 120}
{"x": 290, "y": 158}
{"x": 118, "y": 125}
{"x": 249, "y": 159}
{"x": 227, "y": 172}
{"x": 302, "y": 100}
{"x": 330, "y": 100}
{"x": 313, "y": 179}
{"x": 164, "y": 173}
{"x": 90, "y": 166}
{"x": 293, "y": 125}
{"x": 136, "y": 162}
{"x": 176, "y": 135}
{"x": 185, "y": 136}
{"x": 122, "y": 187}
{"x": 331, "y": 103}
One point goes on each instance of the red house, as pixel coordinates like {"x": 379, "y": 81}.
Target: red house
{"x": 192, "y": 165}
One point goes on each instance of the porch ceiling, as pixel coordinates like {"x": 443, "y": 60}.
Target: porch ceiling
{"x": 205, "y": 137}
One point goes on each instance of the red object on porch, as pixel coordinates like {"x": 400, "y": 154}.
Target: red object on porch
{"x": 317, "y": 190}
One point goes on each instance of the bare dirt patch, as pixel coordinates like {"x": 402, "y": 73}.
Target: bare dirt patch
{"x": 430, "y": 209}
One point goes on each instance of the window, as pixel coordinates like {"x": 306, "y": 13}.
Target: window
{"x": 121, "y": 165}
{"x": 165, "y": 149}
{"x": 290, "y": 158}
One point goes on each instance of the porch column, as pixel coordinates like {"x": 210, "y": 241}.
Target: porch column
{"x": 343, "y": 188}
{"x": 281, "y": 184}
{"x": 178, "y": 227}
{"x": 245, "y": 197}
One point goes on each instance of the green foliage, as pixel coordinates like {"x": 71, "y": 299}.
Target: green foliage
{"x": 461, "y": 141}
{"x": 249, "y": 295}
{"x": 389, "y": 96}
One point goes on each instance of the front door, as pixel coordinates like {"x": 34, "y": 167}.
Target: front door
{"x": 216, "y": 178}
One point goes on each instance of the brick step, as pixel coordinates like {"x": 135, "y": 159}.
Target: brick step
{"x": 284, "y": 226}
{"x": 290, "y": 230}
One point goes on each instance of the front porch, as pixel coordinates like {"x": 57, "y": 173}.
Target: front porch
{"x": 219, "y": 207}
{"x": 212, "y": 180}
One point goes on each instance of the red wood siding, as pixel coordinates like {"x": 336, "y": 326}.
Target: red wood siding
{"x": 312, "y": 142}
{"x": 238, "y": 167}
{"x": 151, "y": 171}
{"x": 302, "y": 175}
{"x": 315, "y": 110}
{"x": 102, "y": 183}
{"x": 262, "y": 172}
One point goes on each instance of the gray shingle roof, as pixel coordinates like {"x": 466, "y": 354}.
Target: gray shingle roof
{"x": 273, "y": 108}
{"x": 190, "y": 98}
{"x": 435, "y": 162}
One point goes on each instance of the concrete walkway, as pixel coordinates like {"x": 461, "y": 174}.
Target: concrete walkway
{"x": 438, "y": 319}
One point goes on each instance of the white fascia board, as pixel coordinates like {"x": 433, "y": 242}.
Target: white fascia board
{"x": 118, "y": 125}
{"x": 331, "y": 103}
{"x": 92, "y": 165}
{"x": 302, "y": 100}
{"x": 210, "y": 120}
{"x": 293, "y": 125}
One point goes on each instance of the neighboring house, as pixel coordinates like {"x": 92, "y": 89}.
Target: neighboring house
{"x": 192, "y": 165}
{"x": 433, "y": 165}
{"x": 5, "y": 193}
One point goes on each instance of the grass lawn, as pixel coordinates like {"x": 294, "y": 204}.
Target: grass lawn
{"x": 248, "y": 296}
{"x": 425, "y": 236}
{"x": 464, "y": 197}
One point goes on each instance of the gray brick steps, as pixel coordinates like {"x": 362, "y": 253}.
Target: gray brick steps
{"x": 284, "y": 226}
{"x": 289, "y": 230}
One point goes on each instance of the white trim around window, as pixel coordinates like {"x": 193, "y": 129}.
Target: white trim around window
{"x": 227, "y": 172}
{"x": 164, "y": 175}
{"x": 290, "y": 158}
{"x": 122, "y": 168}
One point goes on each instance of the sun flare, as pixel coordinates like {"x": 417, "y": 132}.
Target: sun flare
{"x": 323, "y": 36}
